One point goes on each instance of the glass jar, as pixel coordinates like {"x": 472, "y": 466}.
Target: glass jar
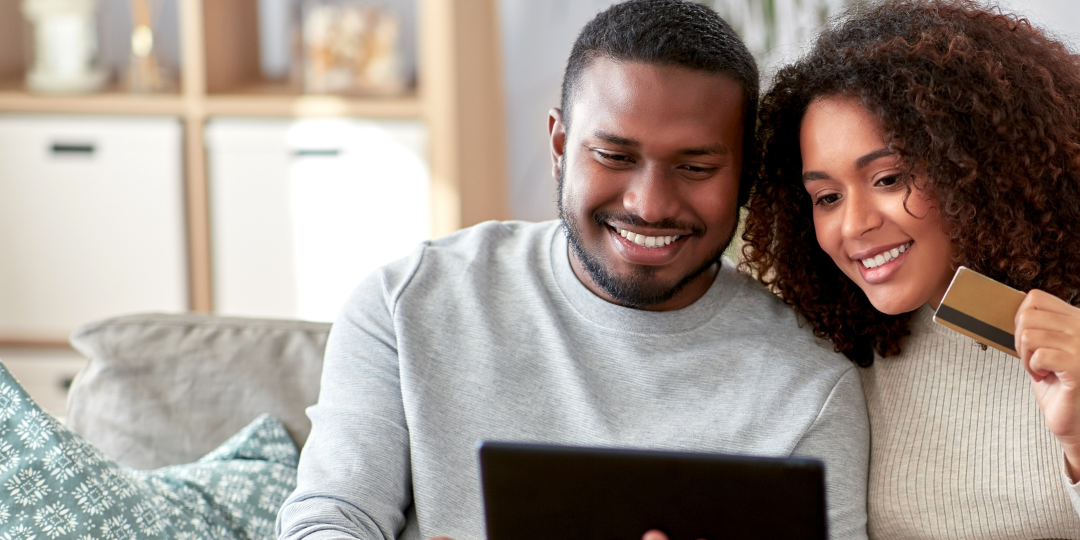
{"x": 352, "y": 47}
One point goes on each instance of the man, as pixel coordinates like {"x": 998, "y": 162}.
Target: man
{"x": 618, "y": 326}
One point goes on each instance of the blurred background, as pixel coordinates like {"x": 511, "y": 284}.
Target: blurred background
{"x": 260, "y": 157}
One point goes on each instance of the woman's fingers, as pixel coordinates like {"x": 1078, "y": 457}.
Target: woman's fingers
{"x": 1048, "y": 320}
{"x": 1031, "y": 341}
{"x": 1045, "y": 301}
{"x": 1045, "y": 361}
{"x": 1044, "y": 321}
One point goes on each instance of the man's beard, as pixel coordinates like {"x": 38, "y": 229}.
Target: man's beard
{"x": 640, "y": 289}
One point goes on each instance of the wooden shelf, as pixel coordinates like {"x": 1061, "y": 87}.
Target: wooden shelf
{"x": 250, "y": 101}
{"x": 278, "y": 100}
{"x": 35, "y": 342}
{"x": 15, "y": 99}
{"x": 460, "y": 100}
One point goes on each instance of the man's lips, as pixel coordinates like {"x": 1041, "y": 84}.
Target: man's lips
{"x": 635, "y": 248}
{"x": 656, "y": 240}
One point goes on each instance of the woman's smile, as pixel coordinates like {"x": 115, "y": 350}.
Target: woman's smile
{"x": 880, "y": 265}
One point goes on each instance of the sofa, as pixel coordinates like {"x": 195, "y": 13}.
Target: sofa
{"x": 179, "y": 426}
{"x": 165, "y": 389}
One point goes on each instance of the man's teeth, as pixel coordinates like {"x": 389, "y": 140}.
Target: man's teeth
{"x": 884, "y": 257}
{"x": 647, "y": 241}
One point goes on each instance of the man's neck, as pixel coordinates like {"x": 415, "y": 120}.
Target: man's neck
{"x": 686, "y": 296}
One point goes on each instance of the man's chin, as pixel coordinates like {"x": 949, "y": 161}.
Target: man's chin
{"x": 640, "y": 287}
{"x": 632, "y": 293}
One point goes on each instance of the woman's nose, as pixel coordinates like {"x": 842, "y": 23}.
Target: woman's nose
{"x": 861, "y": 215}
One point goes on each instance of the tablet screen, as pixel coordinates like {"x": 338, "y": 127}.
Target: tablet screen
{"x": 534, "y": 491}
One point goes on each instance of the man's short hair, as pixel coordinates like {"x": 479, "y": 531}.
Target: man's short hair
{"x": 667, "y": 33}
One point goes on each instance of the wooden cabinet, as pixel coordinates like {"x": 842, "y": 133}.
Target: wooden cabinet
{"x": 458, "y": 97}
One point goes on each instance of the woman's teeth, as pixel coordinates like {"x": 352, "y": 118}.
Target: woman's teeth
{"x": 884, "y": 257}
{"x": 647, "y": 241}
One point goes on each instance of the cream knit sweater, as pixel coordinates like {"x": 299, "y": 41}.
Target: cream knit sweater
{"x": 959, "y": 447}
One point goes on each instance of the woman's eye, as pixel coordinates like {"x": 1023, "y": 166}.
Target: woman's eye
{"x": 889, "y": 181}
{"x": 827, "y": 200}
{"x": 699, "y": 170}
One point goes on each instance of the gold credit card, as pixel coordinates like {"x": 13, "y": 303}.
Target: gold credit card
{"x": 981, "y": 308}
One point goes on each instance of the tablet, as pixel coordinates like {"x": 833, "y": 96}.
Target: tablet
{"x": 534, "y": 491}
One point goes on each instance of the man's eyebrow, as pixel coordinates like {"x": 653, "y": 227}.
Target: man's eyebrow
{"x": 714, "y": 150}
{"x": 614, "y": 139}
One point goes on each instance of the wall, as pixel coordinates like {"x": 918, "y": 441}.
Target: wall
{"x": 538, "y": 35}
{"x": 1060, "y": 17}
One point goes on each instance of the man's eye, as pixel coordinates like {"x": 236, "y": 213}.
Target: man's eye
{"x": 615, "y": 158}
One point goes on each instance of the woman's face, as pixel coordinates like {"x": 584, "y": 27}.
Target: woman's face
{"x": 897, "y": 251}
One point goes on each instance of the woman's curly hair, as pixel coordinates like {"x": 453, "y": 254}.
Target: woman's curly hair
{"x": 982, "y": 104}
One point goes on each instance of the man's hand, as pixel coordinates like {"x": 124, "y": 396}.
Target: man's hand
{"x": 1048, "y": 341}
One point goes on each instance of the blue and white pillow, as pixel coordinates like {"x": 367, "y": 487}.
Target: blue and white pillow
{"x": 55, "y": 485}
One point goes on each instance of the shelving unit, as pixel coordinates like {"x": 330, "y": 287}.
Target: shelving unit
{"x": 459, "y": 97}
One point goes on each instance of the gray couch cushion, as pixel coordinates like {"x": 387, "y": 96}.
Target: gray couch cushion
{"x": 166, "y": 389}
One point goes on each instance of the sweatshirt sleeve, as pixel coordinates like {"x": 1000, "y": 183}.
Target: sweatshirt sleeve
{"x": 840, "y": 436}
{"x": 354, "y": 478}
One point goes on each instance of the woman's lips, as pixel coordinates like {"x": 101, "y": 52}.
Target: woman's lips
{"x": 887, "y": 269}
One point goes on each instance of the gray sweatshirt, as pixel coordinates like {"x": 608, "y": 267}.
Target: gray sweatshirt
{"x": 488, "y": 334}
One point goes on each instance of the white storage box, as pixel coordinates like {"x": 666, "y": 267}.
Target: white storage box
{"x": 302, "y": 210}
{"x": 91, "y": 221}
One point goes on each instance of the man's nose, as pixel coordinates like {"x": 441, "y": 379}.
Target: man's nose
{"x": 652, "y": 195}
{"x": 861, "y": 215}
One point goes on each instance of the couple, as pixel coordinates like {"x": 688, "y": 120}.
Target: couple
{"x": 916, "y": 136}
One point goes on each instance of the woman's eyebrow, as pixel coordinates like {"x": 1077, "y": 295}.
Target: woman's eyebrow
{"x": 869, "y": 158}
{"x": 810, "y": 176}
{"x": 862, "y": 162}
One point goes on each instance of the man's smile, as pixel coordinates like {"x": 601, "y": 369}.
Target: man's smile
{"x": 649, "y": 248}
{"x": 647, "y": 241}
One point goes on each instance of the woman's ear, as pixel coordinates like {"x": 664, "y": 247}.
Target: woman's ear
{"x": 557, "y": 139}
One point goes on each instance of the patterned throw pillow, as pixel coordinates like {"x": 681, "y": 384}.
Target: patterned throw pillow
{"x": 53, "y": 484}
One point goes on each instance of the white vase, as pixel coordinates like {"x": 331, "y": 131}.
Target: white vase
{"x": 65, "y": 57}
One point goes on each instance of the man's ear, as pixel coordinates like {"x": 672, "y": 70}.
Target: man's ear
{"x": 557, "y": 139}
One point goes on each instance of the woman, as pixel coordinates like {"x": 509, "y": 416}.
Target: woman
{"x": 915, "y": 137}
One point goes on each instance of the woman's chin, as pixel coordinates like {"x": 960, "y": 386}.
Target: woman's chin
{"x": 895, "y": 306}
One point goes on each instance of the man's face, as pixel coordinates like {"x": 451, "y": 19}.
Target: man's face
{"x": 649, "y": 179}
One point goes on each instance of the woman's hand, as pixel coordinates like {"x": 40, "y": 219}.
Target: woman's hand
{"x": 1048, "y": 341}
{"x": 654, "y": 534}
